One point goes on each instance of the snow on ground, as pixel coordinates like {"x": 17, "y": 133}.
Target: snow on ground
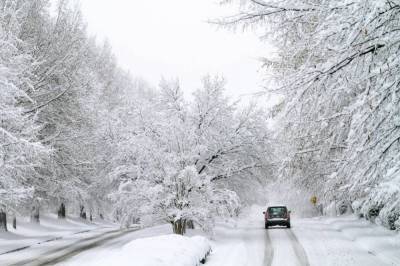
{"x": 113, "y": 247}
{"x": 239, "y": 243}
{"x": 342, "y": 241}
{"x": 286, "y": 250}
{"x": 163, "y": 250}
{"x": 150, "y": 246}
{"x": 347, "y": 241}
{"x": 235, "y": 243}
{"x": 50, "y": 227}
{"x": 33, "y": 239}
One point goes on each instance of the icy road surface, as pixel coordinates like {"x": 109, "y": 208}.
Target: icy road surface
{"x": 341, "y": 241}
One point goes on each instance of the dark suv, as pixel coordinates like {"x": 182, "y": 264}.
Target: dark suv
{"x": 277, "y": 215}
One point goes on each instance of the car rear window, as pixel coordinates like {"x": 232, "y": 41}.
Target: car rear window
{"x": 277, "y": 211}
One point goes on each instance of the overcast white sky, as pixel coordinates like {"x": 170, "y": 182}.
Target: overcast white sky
{"x": 172, "y": 39}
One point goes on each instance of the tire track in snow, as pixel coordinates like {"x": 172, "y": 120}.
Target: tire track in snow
{"x": 269, "y": 250}
{"x": 298, "y": 249}
{"x": 63, "y": 253}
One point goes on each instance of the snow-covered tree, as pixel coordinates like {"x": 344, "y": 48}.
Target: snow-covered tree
{"x": 55, "y": 94}
{"x": 337, "y": 66}
{"x": 80, "y": 135}
{"x": 173, "y": 152}
{"x": 21, "y": 153}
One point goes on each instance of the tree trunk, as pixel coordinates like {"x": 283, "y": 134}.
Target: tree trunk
{"x": 15, "y": 222}
{"x": 3, "y": 221}
{"x": 82, "y": 212}
{"x": 190, "y": 224}
{"x": 35, "y": 213}
{"x": 179, "y": 227}
{"x": 91, "y": 217}
{"x": 61, "y": 211}
{"x": 118, "y": 215}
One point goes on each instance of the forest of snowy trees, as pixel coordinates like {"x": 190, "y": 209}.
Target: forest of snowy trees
{"x": 337, "y": 67}
{"x": 79, "y": 135}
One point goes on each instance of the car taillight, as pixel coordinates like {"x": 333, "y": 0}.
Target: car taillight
{"x": 266, "y": 215}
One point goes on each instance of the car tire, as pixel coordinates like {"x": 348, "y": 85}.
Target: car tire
{"x": 266, "y": 226}
{"x": 288, "y": 225}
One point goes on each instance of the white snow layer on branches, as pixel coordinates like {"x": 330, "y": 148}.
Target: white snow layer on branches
{"x": 338, "y": 67}
{"x": 176, "y": 158}
{"x": 20, "y": 151}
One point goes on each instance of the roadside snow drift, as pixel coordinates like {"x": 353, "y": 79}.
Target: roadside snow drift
{"x": 164, "y": 250}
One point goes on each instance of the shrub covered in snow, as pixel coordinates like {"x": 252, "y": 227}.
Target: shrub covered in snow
{"x": 383, "y": 205}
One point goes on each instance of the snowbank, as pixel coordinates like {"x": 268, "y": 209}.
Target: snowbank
{"x": 164, "y": 250}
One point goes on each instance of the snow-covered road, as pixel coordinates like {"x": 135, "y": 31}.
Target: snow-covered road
{"x": 284, "y": 247}
{"x": 53, "y": 252}
{"x": 249, "y": 244}
{"x": 341, "y": 241}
